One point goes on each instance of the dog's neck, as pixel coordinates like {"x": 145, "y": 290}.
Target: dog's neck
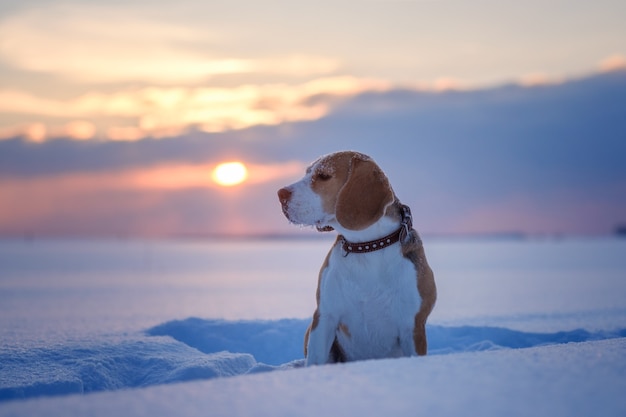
{"x": 372, "y": 245}
{"x": 383, "y": 227}
{"x": 391, "y": 221}
{"x": 394, "y": 226}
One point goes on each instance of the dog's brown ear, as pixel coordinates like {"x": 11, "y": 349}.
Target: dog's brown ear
{"x": 364, "y": 197}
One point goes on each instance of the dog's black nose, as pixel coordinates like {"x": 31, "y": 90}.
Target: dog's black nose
{"x": 284, "y": 195}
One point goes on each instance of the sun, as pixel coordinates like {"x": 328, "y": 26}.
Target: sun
{"x": 228, "y": 174}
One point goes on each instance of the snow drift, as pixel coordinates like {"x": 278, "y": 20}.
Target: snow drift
{"x": 194, "y": 348}
{"x": 573, "y": 379}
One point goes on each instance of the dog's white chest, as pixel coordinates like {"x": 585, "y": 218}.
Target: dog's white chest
{"x": 374, "y": 298}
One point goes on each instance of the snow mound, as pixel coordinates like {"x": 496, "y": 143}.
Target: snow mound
{"x": 572, "y": 379}
{"x": 270, "y": 342}
{"x": 194, "y": 348}
{"x": 105, "y": 365}
{"x": 276, "y": 342}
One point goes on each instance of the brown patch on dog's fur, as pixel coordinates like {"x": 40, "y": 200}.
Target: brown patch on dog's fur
{"x": 316, "y": 314}
{"x": 364, "y": 197}
{"x": 345, "y": 329}
{"x": 428, "y": 291}
{"x": 340, "y": 180}
{"x": 312, "y": 326}
{"x": 414, "y": 251}
{"x": 329, "y": 177}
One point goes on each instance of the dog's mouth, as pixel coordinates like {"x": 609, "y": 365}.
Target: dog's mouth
{"x": 319, "y": 226}
{"x": 326, "y": 228}
{"x": 284, "y": 205}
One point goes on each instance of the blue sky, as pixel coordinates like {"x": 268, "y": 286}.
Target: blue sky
{"x": 489, "y": 116}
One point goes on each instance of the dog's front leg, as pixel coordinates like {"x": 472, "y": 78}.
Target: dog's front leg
{"x": 407, "y": 343}
{"x": 407, "y": 337}
{"x": 413, "y": 339}
{"x": 321, "y": 338}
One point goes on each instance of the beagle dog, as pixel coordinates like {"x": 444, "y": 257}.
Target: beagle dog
{"x": 375, "y": 289}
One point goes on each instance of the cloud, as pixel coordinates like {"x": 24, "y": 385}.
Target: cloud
{"x": 33, "y": 132}
{"x": 498, "y": 160}
{"x": 534, "y": 79}
{"x": 199, "y": 176}
{"x": 165, "y": 176}
{"x": 168, "y": 111}
{"x": 614, "y": 62}
{"x": 162, "y": 200}
{"x": 102, "y": 44}
{"x": 38, "y": 132}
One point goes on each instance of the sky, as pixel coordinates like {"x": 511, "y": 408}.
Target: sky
{"x": 114, "y": 114}
{"x": 122, "y": 70}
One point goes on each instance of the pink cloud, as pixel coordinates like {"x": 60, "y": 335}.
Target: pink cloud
{"x": 153, "y": 202}
{"x": 614, "y": 62}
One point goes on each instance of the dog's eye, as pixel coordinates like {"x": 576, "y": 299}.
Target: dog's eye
{"x": 321, "y": 176}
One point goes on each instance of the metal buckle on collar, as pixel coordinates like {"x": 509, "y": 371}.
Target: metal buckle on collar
{"x": 406, "y": 223}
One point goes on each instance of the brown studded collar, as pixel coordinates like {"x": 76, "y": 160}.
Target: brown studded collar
{"x": 373, "y": 245}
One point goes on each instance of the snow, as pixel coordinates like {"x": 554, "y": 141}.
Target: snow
{"x": 519, "y": 330}
{"x": 192, "y": 349}
{"x": 560, "y": 380}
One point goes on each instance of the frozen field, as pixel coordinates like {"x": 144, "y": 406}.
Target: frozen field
{"x": 523, "y": 327}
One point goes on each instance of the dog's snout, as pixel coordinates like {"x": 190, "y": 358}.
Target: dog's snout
{"x": 284, "y": 195}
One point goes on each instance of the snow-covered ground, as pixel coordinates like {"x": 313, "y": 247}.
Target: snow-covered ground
{"x": 92, "y": 328}
{"x": 577, "y": 379}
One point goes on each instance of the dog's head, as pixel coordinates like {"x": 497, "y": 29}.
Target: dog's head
{"x": 345, "y": 189}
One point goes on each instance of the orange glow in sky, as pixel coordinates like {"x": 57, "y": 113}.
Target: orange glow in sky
{"x": 34, "y": 203}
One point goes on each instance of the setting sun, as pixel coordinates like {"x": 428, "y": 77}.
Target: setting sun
{"x": 230, "y": 173}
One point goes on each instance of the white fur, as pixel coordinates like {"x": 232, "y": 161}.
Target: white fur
{"x": 305, "y": 206}
{"x": 374, "y": 296}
